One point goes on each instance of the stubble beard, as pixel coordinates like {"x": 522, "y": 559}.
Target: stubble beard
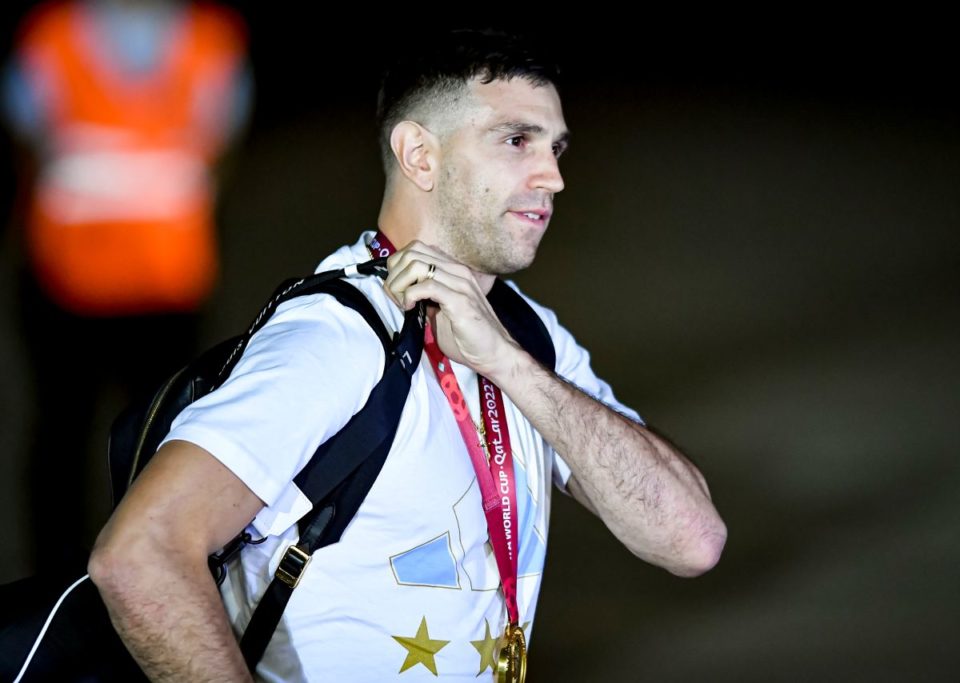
{"x": 477, "y": 236}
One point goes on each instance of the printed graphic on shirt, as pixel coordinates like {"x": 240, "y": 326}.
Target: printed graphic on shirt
{"x": 462, "y": 558}
{"x": 420, "y": 648}
{"x": 487, "y": 648}
{"x": 480, "y": 567}
{"x": 431, "y": 564}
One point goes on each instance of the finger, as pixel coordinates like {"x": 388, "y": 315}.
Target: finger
{"x": 424, "y": 268}
{"x": 437, "y": 290}
{"x": 451, "y": 292}
{"x": 419, "y": 251}
{"x": 402, "y": 260}
{"x": 405, "y": 275}
{"x": 413, "y": 250}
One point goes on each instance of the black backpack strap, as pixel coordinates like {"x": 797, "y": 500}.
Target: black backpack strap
{"x": 346, "y": 295}
{"x": 338, "y": 478}
{"x": 327, "y": 281}
{"x": 523, "y": 323}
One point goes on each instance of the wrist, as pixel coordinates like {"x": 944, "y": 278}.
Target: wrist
{"x": 510, "y": 364}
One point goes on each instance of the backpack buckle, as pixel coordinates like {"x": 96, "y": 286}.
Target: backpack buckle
{"x": 292, "y": 566}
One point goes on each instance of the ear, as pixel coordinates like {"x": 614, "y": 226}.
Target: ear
{"x": 417, "y": 152}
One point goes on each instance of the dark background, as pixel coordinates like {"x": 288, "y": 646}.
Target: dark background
{"x": 758, "y": 242}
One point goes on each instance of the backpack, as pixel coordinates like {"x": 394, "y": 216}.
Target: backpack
{"x": 336, "y": 479}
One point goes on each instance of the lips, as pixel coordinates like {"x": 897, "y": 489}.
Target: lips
{"x": 537, "y": 217}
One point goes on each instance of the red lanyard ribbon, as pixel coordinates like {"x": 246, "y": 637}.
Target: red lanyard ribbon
{"x": 380, "y": 246}
{"x": 498, "y": 484}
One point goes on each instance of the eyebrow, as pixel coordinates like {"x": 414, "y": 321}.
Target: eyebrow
{"x": 531, "y": 128}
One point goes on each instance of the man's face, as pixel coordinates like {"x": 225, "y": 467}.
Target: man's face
{"x": 498, "y": 174}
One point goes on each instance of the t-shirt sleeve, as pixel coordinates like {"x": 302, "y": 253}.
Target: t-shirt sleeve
{"x": 573, "y": 365}
{"x": 301, "y": 378}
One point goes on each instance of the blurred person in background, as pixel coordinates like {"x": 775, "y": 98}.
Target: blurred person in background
{"x": 123, "y": 108}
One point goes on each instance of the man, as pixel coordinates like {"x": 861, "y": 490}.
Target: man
{"x": 471, "y": 131}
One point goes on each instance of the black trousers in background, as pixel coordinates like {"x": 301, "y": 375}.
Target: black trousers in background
{"x": 76, "y": 360}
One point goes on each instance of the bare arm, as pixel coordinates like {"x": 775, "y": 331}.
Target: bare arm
{"x": 150, "y": 565}
{"x": 651, "y": 497}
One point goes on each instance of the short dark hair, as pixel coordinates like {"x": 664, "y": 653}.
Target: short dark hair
{"x": 446, "y": 63}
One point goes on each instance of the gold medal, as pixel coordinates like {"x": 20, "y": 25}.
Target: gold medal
{"x": 512, "y": 658}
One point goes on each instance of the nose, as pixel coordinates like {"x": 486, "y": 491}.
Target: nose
{"x": 547, "y": 175}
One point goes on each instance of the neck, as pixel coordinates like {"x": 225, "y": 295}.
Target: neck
{"x": 404, "y": 226}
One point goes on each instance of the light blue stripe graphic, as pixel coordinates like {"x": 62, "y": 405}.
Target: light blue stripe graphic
{"x": 430, "y": 564}
{"x": 532, "y": 550}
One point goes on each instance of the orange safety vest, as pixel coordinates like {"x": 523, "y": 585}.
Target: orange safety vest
{"x": 121, "y": 220}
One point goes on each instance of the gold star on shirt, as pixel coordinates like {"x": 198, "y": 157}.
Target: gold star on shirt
{"x": 421, "y": 649}
{"x": 487, "y": 649}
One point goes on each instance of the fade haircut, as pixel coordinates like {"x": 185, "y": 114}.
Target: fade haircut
{"x": 427, "y": 83}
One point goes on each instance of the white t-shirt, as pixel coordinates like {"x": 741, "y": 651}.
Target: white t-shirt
{"x": 411, "y": 591}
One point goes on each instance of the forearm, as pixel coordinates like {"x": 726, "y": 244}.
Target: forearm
{"x": 169, "y": 614}
{"x": 650, "y": 496}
